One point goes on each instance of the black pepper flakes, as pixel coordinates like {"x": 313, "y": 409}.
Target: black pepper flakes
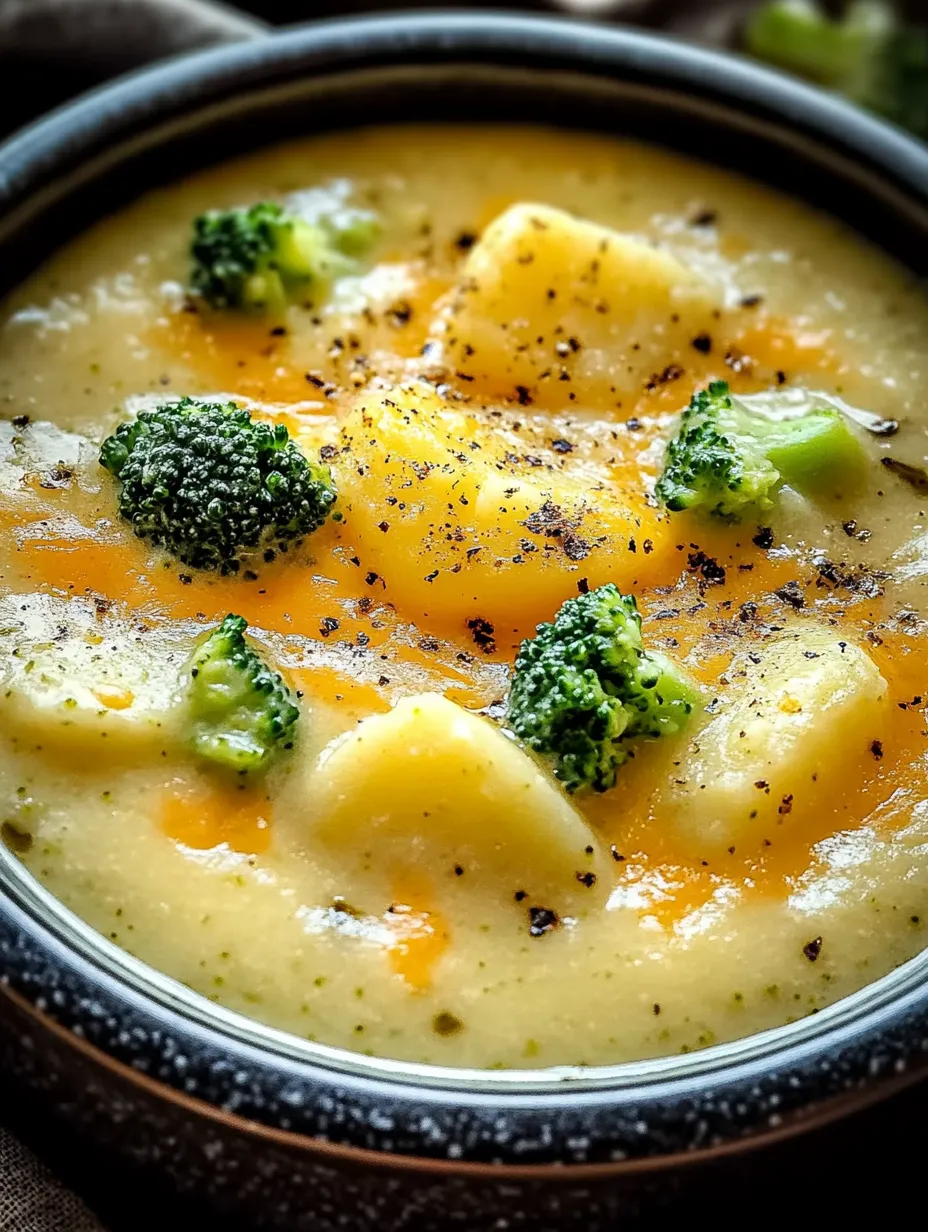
{"x": 541, "y": 920}
{"x": 671, "y": 373}
{"x": 763, "y": 538}
{"x": 586, "y": 879}
{"x": 712, "y": 573}
{"x": 576, "y": 548}
{"x": 446, "y": 1024}
{"x": 791, "y": 593}
{"x": 483, "y": 634}
{"x": 876, "y": 748}
{"x": 400, "y": 314}
{"x": 702, "y": 343}
{"x": 812, "y": 949}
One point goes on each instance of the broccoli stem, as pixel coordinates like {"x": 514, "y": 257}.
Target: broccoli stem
{"x": 731, "y": 454}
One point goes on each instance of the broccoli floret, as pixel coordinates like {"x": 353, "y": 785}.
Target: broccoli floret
{"x": 351, "y": 230}
{"x": 867, "y": 54}
{"x": 731, "y": 454}
{"x": 585, "y": 688}
{"x": 262, "y": 257}
{"x": 241, "y": 711}
{"x": 207, "y": 482}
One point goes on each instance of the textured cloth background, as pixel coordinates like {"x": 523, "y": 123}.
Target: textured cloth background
{"x": 31, "y": 1200}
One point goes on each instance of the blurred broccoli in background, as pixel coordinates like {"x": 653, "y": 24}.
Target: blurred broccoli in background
{"x": 868, "y": 54}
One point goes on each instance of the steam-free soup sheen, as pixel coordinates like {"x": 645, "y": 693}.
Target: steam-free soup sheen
{"x": 492, "y": 389}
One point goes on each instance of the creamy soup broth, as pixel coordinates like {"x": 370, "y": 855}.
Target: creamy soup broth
{"x": 393, "y": 909}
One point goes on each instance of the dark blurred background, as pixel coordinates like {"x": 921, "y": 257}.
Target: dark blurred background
{"x": 876, "y": 50}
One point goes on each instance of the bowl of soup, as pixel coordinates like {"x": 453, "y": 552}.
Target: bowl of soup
{"x": 463, "y": 625}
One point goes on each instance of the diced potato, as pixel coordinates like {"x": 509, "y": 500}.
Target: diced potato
{"x": 559, "y": 306}
{"x": 803, "y": 711}
{"x": 430, "y": 788}
{"x": 456, "y": 531}
{"x": 73, "y": 679}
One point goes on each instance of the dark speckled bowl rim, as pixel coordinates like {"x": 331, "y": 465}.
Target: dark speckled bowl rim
{"x": 646, "y": 1114}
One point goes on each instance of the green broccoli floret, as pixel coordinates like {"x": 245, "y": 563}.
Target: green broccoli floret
{"x": 241, "y": 711}
{"x": 262, "y": 257}
{"x": 207, "y": 482}
{"x": 731, "y": 454}
{"x": 585, "y": 688}
{"x": 868, "y": 54}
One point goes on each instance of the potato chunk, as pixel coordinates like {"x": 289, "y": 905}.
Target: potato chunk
{"x": 73, "y": 679}
{"x": 802, "y": 713}
{"x": 456, "y": 529}
{"x": 555, "y": 306}
{"x": 429, "y": 788}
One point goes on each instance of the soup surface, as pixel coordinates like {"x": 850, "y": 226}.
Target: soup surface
{"x": 492, "y": 385}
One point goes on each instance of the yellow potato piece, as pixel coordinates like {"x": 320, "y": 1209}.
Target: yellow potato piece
{"x": 803, "y": 712}
{"x": 76, "y": 681}
{"x": 454, "y": 531}
{"x": 429, "y": 788}
{"x": 550, "y": 306}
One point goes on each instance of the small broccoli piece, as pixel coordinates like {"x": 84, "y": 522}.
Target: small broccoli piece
{"x": 585, "y": 687}
{"x": 207, "y": 482}
{"x": 241, "y": 711}
{"x": 262, "y": 257}
{"x": 731, "y": 454}
{"x": 707, "y": 463}
{"x": 868, "y": 54}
